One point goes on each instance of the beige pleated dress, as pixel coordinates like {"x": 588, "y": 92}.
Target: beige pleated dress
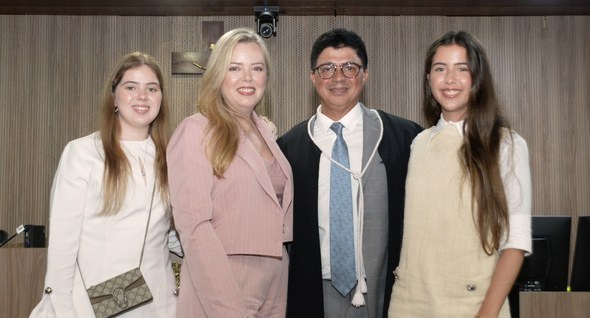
{"x": 443, "y": 270}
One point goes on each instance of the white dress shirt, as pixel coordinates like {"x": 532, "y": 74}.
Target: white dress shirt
{"x": 324, "y": 138}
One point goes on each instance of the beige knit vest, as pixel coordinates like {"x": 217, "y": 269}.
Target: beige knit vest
{"x": 443, "y": 270}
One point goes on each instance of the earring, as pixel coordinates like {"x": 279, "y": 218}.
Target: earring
{"x": 116, "y": 108}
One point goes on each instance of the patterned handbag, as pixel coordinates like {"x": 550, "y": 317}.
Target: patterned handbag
{"x": 123, "y": 292}
{"x": 119, "y": 294}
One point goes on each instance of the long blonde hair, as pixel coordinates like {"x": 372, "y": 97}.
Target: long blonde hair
{"x": 222, "y": 129}
{"x": 117, "y": 167}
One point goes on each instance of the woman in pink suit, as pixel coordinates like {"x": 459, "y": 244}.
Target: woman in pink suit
{"x": 231, "y": 191}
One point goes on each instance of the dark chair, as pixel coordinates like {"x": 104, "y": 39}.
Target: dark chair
{"x": 581, "y": 266}
{"x": 3, "y": 236}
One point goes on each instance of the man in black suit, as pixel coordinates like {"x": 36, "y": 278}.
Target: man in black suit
{"x": 378, "y": 146}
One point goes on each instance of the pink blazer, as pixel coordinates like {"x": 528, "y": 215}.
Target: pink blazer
{"x": 238, "y": 214}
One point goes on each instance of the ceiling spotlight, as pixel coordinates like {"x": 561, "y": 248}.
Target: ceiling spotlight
{"x": 266, "y": 20}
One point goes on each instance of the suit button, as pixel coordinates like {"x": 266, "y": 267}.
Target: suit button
{"x": 471, "y": 287}
{"x": 48, "y": 290}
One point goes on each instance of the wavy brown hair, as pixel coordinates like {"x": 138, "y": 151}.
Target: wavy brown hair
{"x": 481, "y": 145}
{"x": 117, "y": 167}
{"x": 222, "y": 128}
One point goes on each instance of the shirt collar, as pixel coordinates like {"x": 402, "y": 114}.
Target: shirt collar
{"x": 442, "y": 124}
{"x": 349, "y": 121}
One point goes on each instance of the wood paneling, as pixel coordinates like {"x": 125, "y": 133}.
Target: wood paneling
{"x": 554, "y": 304}
{"x": 297, "y": 7}
{"x": 53, "y": 68}
{"x": 21, "y": 280}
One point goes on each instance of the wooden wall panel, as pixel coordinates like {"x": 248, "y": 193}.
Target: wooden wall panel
{"x": 53, "y": 68}
{"x": 22, "y": 280}
{"x": 554, "y": 304}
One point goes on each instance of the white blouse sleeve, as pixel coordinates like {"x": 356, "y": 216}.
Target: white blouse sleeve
{"x": 516, "y": 177}
{"x": 65, "y": 223}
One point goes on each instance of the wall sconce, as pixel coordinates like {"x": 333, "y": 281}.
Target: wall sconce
{"x": 196, "y": 62}
{"x": 266, "y": 20}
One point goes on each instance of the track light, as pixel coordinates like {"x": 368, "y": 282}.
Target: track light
{"x": 266, "y": 20}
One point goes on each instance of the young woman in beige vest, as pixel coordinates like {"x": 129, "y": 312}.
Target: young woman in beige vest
{"x": 468, "y": 194}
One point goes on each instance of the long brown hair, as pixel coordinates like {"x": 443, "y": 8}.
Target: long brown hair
{"x": 481, "y": 144}
{"x": 117, "y": 167}
{"x": 222, "y": 128}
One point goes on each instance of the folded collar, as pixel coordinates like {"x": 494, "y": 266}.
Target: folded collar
{"x": 442, "y": 124}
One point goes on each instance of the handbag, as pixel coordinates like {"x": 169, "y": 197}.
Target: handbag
{"x": 119, "y": 294}
{"x": 123, "y": 292}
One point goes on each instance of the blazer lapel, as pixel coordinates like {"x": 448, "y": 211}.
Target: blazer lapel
{"x": 281, "y": 160}
{"x": 250, "y": 156}
{"x": 371, "y": 133}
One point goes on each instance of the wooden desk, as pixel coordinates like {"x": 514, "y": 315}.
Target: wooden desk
{"x": 22, "y": 274}
{"x": 554, "y": 304}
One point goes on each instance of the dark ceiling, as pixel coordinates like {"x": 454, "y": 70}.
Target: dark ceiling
{"x": 298, "y": 7}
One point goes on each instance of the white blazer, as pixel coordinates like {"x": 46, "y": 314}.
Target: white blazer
{"x": 104, "y": 246}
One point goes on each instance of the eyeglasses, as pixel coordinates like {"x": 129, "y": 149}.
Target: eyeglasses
{"x": 328, "y": 70}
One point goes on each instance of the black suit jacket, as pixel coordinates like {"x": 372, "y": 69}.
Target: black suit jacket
{"x": 305, "y": 294}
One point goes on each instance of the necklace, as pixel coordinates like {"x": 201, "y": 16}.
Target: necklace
{"x": 139, "y": 160}
{"x": 142, "y": 168}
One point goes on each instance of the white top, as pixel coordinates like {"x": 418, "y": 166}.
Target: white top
{"x": 105, "y": 246}
{"x": 516, "y": 177}
{"x": 324, "y": 138}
